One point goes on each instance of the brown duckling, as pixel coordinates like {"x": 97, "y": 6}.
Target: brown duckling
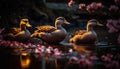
{"x": 51, "y": 34}
{"x": 88, "y": 36}
{"x": 19, "y": 34}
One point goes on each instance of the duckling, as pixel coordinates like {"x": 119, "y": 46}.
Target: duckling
{"x": 19, "y": 34}
{"x": 51, "y": 34}
{"x": 88, "y": 36}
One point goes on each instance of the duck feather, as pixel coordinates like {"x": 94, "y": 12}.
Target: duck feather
{"x": 14, "y": 30}
{"x": 79, "y": 32}
{"x": 46, "y": 29}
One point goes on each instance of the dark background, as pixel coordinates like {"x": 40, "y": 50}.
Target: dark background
{"x": 11, "y": 11}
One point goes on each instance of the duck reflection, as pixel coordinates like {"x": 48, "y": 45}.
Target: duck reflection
{"x": 25, "y": 60}
{"x": 85, "y": 48}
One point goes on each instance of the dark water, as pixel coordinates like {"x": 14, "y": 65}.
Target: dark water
{"x": 12, "y": 61}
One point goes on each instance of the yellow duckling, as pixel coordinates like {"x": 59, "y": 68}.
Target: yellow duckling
{"x": 51, "y": 34}
{"x": 19, "y": 34}
{"x": 88, "y": 36}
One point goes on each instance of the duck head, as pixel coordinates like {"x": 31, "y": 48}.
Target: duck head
{"x": 59, "y": 21}
{"x": 94, "y": 22}
{"x": 91, "y": 23}
{"x": 24, "y": 23}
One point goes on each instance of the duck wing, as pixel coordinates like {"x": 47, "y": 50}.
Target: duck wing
{"x": 46, "y": 28}
{"x": 10, "y": 32}
{"x": 79, "y": 32}
{"x": 14, "y": 30}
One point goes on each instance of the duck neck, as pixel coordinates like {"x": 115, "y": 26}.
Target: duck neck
{"x": 23, "y": 27}
{"x": 89, "y": 28}
{"x": 58, "y": 26}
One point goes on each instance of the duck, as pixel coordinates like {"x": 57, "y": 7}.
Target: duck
{"x": 88, "y": 36}
{"x": 19, "y": 33}
{"x": 52, "y": 34}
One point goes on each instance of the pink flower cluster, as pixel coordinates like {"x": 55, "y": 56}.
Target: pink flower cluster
{"x": 117, "y": 2}
{"x": 94, "y": 6}
{"x": 90, "y": 8}
{"x": 43, "y": 51}
{"x": 50, "y": 52}
{"x": 83, "y": 62}
{"x": 82, "y": 6}
{"x": 109, "y": 63}
{"x": 71, "y": 3}
{"x": 114, "y": 26}
{"x": 40, "y": 50}
{"x": 113, "y": 8}
{"x": 15, "y": 44}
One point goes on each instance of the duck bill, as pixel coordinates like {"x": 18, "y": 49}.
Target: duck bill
{"x": 99, "y": 24}
{"x": 28, "y": 24}
{"x": 66, "y": 22}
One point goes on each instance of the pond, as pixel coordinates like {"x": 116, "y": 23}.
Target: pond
{"x": 9, "y": 59}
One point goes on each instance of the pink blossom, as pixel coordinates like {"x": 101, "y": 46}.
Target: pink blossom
{"x": 113, "y": 8}
{"x": 73, "y": 60}
{"x": 105, "y": 58}
{"x": 48, "y": 50}
{"x": 93, "y": 5}
{"x": 21, "y": 44}
{"x": 83, "y": 63}
{"x": 71, "y": 3}
{"x": 117, "y": 24}
{"x": 109, "y": 55}
{"x": 8, "y": 43}
{"x": 112, "y": 64}
{"x": 70, "y": 50}
{"x": 57, "y": 53}
{"x": 99, "y": 6}
{"x": 37, "y": 51}
{"x": 41, "y": 49}
{"x": 110, "y": 24}
{"x": 82, "y": 6}
{"x": 29, "y": 44}
{"x": 56, "y": 50}
{"x": 117, "y": 2}
{"x": 113, "y": 30}
{"x": 11, "y": 45}
{"x": 1, "y": 30}
{"x": 38, "y": 45}
{"x": 90, "y": 9}
{"x": 50, "y": 47}
{"x": 15, "y": 43}
{"x": 25, "y": 46}
{"x": 93, "y": 57}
